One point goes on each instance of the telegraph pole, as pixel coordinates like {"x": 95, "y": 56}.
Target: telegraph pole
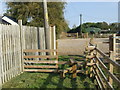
{"x": 46, "y": 25}
{"x": 80, "y": 24}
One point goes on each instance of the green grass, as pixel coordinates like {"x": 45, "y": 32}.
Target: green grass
{"x": 50, "y": 80}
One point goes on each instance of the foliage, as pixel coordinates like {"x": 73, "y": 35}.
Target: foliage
{"x": 92, "y": 29}
{"x": 32, "y": 14}
{"x": 114, "y": 27}
{"x": 101, "y": 25}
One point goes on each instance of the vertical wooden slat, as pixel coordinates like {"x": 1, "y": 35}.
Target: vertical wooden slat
{"x": 5, "y": 58}
{"x": 50, "y": 39}
{"x": 7, "y": 53}
{"x": 3, "y": 53}
{"x": 54, "y": 39}
{"x": 42, "y": 39}
{"x": 1, "y": 58}
{"x": 14, "y": 62}
{"x": 12, "y": 51}
{"x": 15, "y": 55}
{"x": 10, "y": 41}
{"x": 21, "y": 45}
{"x": 57, "y": 52}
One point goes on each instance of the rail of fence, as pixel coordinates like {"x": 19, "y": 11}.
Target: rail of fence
{"x": 104, "y": 74}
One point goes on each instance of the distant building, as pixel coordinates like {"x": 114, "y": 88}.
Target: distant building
{"x": 7, "y": 20}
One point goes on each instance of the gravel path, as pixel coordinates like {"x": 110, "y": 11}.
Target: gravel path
{"x": 77, "y": 46}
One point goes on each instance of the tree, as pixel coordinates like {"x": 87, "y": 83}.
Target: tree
{"x": 102, "y": 25}
{"x": 32, "y": 14}
{"x": 74, "y": 26}
{"x": 99, "y": 25}
{"x": 113, "y": 27}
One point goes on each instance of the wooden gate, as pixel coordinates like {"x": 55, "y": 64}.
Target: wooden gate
{"x": 36, "y": 60}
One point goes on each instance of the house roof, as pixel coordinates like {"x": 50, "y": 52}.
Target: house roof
{"x": 7, "y": 20}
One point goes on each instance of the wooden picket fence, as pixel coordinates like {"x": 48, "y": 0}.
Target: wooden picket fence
{"x": 10, "y": 52}
{"x": 13, "y": 40}
{"x": 104, "y": 75}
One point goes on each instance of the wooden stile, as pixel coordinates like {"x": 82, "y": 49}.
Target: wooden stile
{"x": 51, "y": 63}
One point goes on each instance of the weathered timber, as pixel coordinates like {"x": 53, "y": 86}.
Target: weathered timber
{"x": 40, "y": 66}
{"x": 39, "y": 50}
{"x": 35, "y": 56}
{"x": 41, "y": 61}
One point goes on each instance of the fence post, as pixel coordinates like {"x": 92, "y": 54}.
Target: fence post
{"x": 97, "y": 56}
{"x": 77, "y": 34}
{"x": 54, "y": 39}
{"x": 1, "y": 57}
{"x": 51, "y": 39}
{"x": 111, "y": 67}
{"x": 112, "y": 56}
{"x": 114, "y": 46}
{"x": 91, "y": 61}
{"x": 74, "y": 69}
{"x": 21, "y": 42}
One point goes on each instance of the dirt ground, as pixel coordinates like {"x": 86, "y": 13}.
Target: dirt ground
{"x": 77, "y": 46}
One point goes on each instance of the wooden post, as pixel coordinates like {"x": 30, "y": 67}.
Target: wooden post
{"x": 51, "y": 39}
{"x": 46, "y": 25}
{"x": 112, "y": 56}
{"x": 111, "y": 67}
{"x": 42, "y": 40}
{"x": 86, "y": 67}
{"x": 97, "y": 54}
{"x": 77, "y": 34}
{"x": 56, "y": 53}
{"x": 114, "y": 46}
{"x": 74, "y": 70}
{"x": 91, "y": 61}
{"x": 62, "y": 74}
{"x": 1, "y": 59}
{"x": 54, "y": 39}
{"x": 21, "y": 44}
